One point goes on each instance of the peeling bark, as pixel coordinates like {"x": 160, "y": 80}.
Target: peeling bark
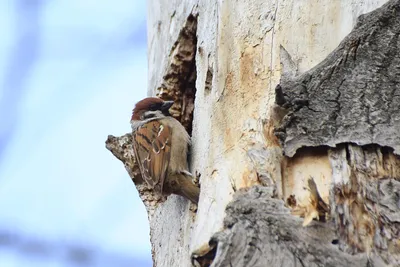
{"x": 351, "y": 96}
{"x": 365, "y": 200}
{"x": 363, "y": 229}
{"x": 326, "y": 120}
{"x": 350, "y": 101}
{"x": 260, "y": 231}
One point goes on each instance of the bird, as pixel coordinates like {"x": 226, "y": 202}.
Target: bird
{"x": 160, "y": 144}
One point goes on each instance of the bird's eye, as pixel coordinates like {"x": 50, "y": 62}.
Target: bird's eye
{"x": 151, "y": 114}
{"x": 147, "y": 115}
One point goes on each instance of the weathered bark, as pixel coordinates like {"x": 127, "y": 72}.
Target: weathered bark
{"x": 178, "y": 84}
{"x": 352, "y": 96}
{"x": 223, "y": 60}
{"x": 365, "y": 200}
{"x": 260, "y": 231}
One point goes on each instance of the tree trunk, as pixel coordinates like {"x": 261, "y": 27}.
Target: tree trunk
{"x": 294, "y": 112}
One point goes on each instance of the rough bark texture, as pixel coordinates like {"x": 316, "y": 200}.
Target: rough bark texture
{"x": 222, "y": 60}
{"x": 365, "y": 200}
{"x": 353, "y": 95}
{"x": 260, "y": 231}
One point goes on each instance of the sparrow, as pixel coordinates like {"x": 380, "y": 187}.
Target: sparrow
{"x": 160, "y": 144}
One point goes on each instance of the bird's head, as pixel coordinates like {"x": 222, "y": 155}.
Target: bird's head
{"x": 151, "y": 107}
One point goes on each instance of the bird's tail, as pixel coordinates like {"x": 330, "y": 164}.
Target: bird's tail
{"x": 187, "y": 188}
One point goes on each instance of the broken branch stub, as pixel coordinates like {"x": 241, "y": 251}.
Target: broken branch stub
{"x": 178, "y": 84}
{"x": 122, "y": 148}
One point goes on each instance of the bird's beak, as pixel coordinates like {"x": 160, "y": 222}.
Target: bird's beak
{"x": 167, "y": 105}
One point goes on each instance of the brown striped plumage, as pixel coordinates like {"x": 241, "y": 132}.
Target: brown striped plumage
{"x": 153, "y": 147}
{"x": 160, "y": 144}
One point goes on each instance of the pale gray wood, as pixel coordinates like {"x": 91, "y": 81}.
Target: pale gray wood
{"x": 258, "y": 230}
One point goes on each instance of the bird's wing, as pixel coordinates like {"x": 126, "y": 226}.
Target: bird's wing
{"x": 152, "y": 146}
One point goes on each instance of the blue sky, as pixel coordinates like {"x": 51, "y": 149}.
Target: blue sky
{"x": 70, "y": 73}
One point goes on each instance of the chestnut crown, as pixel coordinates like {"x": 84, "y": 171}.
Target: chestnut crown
{"x": 151, "y": 104}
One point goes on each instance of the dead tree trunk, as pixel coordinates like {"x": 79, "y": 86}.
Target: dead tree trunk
{"x": 297, "y": 160}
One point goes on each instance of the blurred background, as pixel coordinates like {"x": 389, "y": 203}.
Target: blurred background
{"x": 70, "y": 73}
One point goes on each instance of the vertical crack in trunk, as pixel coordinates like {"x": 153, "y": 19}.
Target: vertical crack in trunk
{"x": 179, "y": 81}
